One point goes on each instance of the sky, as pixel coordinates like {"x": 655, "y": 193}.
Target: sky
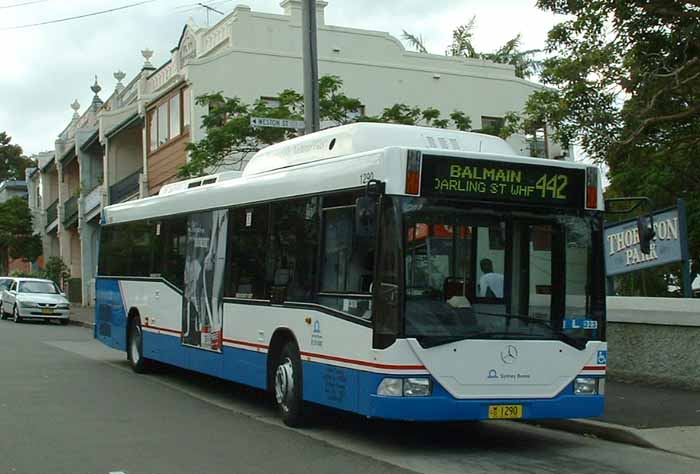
{"x": 44, "y": 68}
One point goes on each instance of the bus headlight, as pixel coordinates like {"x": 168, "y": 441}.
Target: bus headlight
{"x": 586, "y": 386}
{"x": 416, "y": 387}
{"x": 391, "y": 388}
{"x": 410, "y": 387}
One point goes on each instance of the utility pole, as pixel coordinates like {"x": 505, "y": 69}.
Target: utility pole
{"x": 309, "y": 56}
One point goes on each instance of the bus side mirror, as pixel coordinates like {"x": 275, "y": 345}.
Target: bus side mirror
{"x": 365, "y": 216}
{"x": 645, "y": 229}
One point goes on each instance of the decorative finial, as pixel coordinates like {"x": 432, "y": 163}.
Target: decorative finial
{"x": 75, "y": 106}
{"x": 147, "y": 54}
{"x": 119, "y": 76}
{"x": 96, "y": 87}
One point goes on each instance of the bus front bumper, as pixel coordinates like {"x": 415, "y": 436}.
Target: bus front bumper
{"x": 441, "y": 406}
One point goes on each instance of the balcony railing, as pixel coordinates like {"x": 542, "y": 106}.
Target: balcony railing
{"x": 70, "y": 211}
{"x": 92, "y": 199}
{"x": 52, "y": 213}
{"x": 124, "y": 188}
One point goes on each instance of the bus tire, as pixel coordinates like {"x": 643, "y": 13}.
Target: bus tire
{"x": 134, "y": 348}
{"x": 287, "y": 386}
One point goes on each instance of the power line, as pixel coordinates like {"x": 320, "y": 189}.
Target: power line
{"x": 60, "y": 20}
{"x": 2, "y": 7}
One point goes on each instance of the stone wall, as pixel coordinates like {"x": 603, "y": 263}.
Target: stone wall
{"x": 655, "y": 340}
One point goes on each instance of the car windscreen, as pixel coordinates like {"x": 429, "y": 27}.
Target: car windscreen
{"x": 45, "y": 287}
{"x": 5, "y": 284}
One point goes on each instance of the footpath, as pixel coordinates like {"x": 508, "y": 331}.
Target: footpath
{"x": 650, "y": 416}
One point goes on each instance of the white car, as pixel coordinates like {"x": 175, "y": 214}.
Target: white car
{"x": 33, "y": 298}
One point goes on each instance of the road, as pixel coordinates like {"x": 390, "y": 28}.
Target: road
{"x": 69, "y": 405}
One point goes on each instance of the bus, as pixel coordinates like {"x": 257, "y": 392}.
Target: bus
{"x": 396, "y": 272}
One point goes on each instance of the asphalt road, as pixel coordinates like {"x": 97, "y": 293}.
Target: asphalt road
{"x": 69, "y": 405}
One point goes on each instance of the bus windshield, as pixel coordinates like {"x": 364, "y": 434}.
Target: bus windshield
{"x": 474, "y": 273}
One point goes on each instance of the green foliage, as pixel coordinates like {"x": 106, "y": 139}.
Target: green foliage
{"x": 21, "y": 274}
{"x": 525, "y": 63}
{"x": 231, "y": 139}
{"x": 12, "y": 162}
{"x": 415, "y": 41}
{"x": 16, "y": 232}
{"x": 626, "y": 87}
{"x": 56, "y": 270}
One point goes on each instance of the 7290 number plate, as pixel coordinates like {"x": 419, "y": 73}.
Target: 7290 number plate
{"x": 505, "y": 412}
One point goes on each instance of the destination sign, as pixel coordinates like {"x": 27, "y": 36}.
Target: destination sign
{"x": 487, "y": 180}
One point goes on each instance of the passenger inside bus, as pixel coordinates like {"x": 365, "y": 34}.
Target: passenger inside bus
{"x": 490, "y": 283}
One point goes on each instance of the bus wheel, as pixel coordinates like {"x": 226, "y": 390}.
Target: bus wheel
{"x": 134, "y": 349}
{"x": 287, "y": 385}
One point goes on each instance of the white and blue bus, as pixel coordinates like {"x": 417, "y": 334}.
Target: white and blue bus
{"x": 392, "y": 271}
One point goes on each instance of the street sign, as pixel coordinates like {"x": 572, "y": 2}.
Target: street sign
{"x": 276, "y": 123}
{"x": 622, "y": 253}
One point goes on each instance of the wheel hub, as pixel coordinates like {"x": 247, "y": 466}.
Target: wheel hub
{"x": 284, "y": 382}
{"x": 134, "y": 346}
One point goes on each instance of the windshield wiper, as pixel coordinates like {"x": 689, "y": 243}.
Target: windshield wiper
{"x": 572, "y": 341}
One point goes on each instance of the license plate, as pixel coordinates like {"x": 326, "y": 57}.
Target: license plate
{"x": 47, "y": 310}
{"x": 505, "y": 412}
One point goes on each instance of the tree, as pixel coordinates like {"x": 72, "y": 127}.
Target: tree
{"x": 625, "y": 80}
{"x": 12, "y": 162}
{"x": 462, "y": 46}
{"x": 231, "y": 138}
{"x": 16, "y": 233}
{"x": 56, "y": 270}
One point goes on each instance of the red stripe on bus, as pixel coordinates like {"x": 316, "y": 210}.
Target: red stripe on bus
{"x": 174, "y": 331}
{"x": 310, "y": 354}
{"x": 364, "y": 363}
{"x": 245, "y": 343}
{"x": 594, "y": 367}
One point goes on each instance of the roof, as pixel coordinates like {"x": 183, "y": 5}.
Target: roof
{"x": 132, "y": 119}
{"x": 301, "y": 177}
{"x": 362, "y": 137}
{"x": 48, "y": 164}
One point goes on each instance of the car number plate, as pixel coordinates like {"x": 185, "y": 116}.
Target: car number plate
{"x": 47, "y": 310}
{"x": 505, "y": 412}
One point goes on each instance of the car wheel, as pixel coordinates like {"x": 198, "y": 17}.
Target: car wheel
{"x": 134, "y": 351}
{"x": 2, "y": 312}
{"x": 288, "y": 386}
{"x": 15, "y": 315}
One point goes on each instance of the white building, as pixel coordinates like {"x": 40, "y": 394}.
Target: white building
{"x": 140, "y": 134}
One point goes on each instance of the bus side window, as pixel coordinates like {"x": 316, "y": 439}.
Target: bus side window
{"x": 127, "y": 249}
{"x": 347, "y": 260}
{"x": 172, "y": 246}
{"x": 292, "y": 250}
{"x": 247, "y": 253}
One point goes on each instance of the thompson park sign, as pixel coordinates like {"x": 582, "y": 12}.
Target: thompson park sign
{"x": 622, "y": 252}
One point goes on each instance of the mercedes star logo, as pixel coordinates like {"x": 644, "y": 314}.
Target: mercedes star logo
{"x": 509, "y": 354}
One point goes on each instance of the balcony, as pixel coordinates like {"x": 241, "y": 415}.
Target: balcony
{"x": 92, "y": 199}
{"x": 52, "y": 213}
{"x": 125, "y": 188}
{"x": 70, "y": 211}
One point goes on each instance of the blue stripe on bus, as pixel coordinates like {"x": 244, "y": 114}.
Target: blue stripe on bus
{"x": 355, "y": 390}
